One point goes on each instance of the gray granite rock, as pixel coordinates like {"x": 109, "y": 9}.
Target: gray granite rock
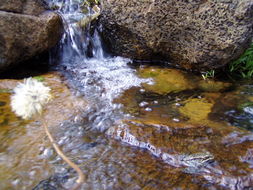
{"x": 196, "y": 34}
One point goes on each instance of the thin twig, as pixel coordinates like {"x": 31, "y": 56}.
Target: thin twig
{"x": 80, "y": 179}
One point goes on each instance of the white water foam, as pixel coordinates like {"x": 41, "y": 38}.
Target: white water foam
{"x": 100, "y": 77}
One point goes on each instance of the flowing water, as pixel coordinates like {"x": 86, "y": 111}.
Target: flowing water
{"x": 127, "y": 127}
{"x": 95, "y": 74}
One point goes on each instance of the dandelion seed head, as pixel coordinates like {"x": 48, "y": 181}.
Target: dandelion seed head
{"x": 29, "y": 98}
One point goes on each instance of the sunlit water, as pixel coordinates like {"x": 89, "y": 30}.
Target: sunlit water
{"x": 130, "y": 135}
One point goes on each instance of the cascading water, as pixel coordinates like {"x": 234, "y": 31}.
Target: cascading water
{"x": 102, "y": 78}
{"x": 99, "y": 77}
{"x": 176, "y": 128}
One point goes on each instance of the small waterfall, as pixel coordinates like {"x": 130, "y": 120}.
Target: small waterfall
{"x": 99, "y": 77}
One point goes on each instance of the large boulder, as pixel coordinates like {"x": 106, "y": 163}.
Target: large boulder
{"x": 27, "y": 28}
{"x": 29, "y": 7}
{"x": 198, "y": 34}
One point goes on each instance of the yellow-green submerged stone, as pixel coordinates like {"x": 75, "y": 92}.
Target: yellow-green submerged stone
{"x": 165, "y": 80}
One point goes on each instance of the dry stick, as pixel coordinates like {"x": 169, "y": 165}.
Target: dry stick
{"x": 80, "y": 179}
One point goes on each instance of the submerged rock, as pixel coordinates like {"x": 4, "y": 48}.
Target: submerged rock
{"x": 52, "y": 183}
{"x": 183, "y": 131}
{"x": 195, "y": 34}
{"x": 235, "y": 107}
{"x": 195, "y": 149}
{"x": 165, "y": 80}
{"x": 196, "y": 110}
{"x": 213, "y": 86}
{"x": 63, "y": 105}
{"x": 24, "y": 145}
{"x": 27, "y": 28}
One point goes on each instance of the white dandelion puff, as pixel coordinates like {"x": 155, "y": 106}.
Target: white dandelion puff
{"x": 29, "y": 98}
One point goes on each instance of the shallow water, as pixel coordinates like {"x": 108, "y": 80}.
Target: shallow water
{"x": 157, "y": 148}
{"x": 126, "y": 126}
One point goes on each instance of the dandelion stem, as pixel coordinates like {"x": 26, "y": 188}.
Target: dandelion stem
{"x": 80, "y": 179}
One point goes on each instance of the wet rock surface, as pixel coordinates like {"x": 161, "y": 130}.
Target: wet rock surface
{"x": 194, "y": 34}
{"x": 167, "y": 130}
{"x": 25, "y": 150}
{"x": 167, "y": 80}
{"x": 235, "y": 107}
{"x": 179, "y": 142}
{"x": 190, "y": 130}
{"x": 197, "y": 150}
{"x": 27, "y": 28}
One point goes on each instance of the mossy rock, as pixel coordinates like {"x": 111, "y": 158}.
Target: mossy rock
{"x": 196, "y": 110}
{"x": 166, "y": 80}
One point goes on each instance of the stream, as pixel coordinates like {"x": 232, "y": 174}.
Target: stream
{"x": 127, "y": 125}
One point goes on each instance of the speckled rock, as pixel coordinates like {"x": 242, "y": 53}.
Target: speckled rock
{"x": 28, "y": 7}
{"x": 196, "y": 34}
{"x": 27, "y": 29}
